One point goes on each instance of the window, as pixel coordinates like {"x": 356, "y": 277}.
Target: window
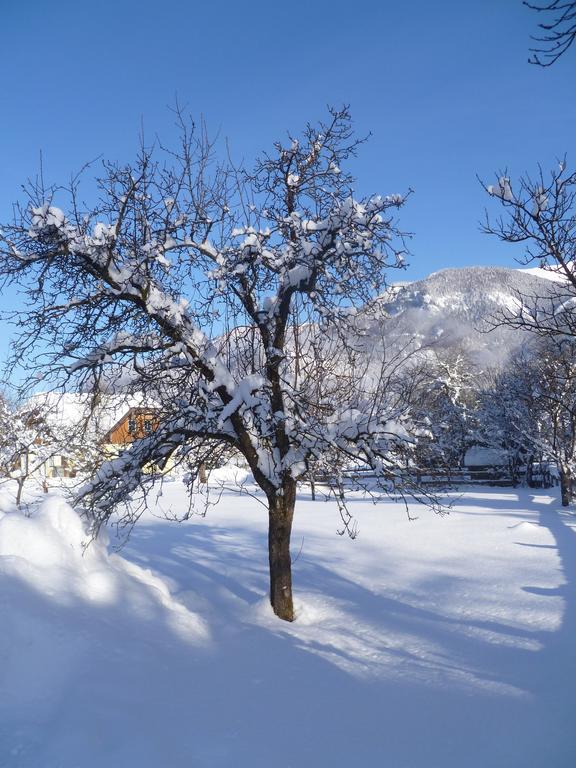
{"x": 147, "y": 427}
{"x": 131, "y": 426}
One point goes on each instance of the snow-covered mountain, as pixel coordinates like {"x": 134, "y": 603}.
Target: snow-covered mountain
{"x": 462, "y": 306}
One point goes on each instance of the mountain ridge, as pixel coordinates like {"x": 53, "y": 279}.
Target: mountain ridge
{"x": 464, "y": 306}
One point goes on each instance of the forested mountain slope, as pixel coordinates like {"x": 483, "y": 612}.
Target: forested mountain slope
{"x": 463, "y": 306}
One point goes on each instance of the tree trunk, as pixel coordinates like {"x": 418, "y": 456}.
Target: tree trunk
{"x": 24, "y": 468}
{"x": 311, "y": 478}
{"x": 20, "y": 482}
{"x": 565, "y": 486}
{"x": 280, "y": 516}
{"x": 529, "y": 472}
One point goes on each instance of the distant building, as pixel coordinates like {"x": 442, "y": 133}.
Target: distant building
{"x": 135, "y": 424}
{"x": 112, "y": 422}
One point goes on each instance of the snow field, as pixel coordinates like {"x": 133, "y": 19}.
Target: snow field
{"x": 442, "y": 642}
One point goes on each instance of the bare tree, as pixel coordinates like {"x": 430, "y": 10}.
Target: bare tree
{"x": 540, "y": 214}
{"x": 212, "y": 289}
{"x": 557, "y": 33}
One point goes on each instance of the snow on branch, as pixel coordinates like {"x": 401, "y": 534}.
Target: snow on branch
{"x": 229, "y": 296}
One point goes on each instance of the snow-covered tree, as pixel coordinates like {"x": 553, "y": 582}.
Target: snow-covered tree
{"x": 28, "y": 441}
{"x": 445, "y": 406}
{"x": 507, "y": 418}
{"x": 534, "y": 404}
{"x": 6, "y": 442}
{"x": 213, "y": 289}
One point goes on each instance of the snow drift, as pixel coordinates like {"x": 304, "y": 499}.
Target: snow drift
{"x": 72, "y": 621}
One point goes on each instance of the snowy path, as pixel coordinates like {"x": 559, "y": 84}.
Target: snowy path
{"x": 442, "y": 643}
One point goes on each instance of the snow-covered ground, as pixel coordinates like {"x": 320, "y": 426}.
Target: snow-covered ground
{"x": 440, "y": 643}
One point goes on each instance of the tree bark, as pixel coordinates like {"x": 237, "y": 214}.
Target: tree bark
{"x": 280, "y": 516}
{"x": 565, "y": 486}
{"x": 529, "y": 472}
{"x": 19, "y": 491}
{"x": 311, "y": 478}
{"x": 24, "y": 468}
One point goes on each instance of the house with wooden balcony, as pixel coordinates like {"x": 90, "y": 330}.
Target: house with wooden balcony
{"x": 111, "y": 422}
{"x": 134, "y": 424}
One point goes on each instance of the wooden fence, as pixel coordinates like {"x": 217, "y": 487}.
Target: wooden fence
{"x": 490, "y": 476}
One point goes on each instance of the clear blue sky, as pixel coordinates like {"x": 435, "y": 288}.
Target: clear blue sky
{"x": 444, "y": 87}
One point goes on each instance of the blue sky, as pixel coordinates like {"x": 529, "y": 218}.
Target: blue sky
{"x": 444, "y": 87}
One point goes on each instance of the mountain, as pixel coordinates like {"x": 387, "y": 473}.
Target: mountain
{"x": 463, "y": 306}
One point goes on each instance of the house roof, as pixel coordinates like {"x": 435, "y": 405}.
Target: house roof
{"x": 478, "y": 456}
{"x": 134, "y": 411}
{"x": 98, "y": 415}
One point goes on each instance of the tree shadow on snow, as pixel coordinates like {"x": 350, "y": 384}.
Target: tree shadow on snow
{"x": 494, "y": 690}
{"x": 369, "y": 676}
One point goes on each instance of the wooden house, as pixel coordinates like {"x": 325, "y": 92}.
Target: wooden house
{"x": 135, "y": 424}
{"x": 113, "y": 423}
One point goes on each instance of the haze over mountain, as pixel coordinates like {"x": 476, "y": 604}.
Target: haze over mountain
{"x": 463, "y": 306}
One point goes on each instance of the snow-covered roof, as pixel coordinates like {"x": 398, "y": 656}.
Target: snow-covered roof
{"x": 478, "y": 456}
{"x": 71, "y": 409}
